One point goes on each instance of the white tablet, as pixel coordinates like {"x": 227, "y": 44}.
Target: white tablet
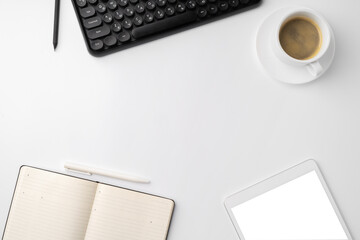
{"x": 293, "y": 205}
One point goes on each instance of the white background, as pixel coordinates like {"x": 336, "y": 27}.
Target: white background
{"x": 194, "y": 112}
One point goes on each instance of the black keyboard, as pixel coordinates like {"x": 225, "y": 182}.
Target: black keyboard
{"x": 113, "y": 25}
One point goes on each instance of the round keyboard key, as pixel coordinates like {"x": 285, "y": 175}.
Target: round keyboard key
{"x": 223, "y": 6}
{"x": 81, "y": 3}
{"x": 191, "y": 4}
{"x": 116, "y": 27}
{"x": 159, "y": 14}
{"x": 112, "y": 5}
{"x": 123, "y": 3}
{"x": 213, "y": 9}
{"x": 127, "y": 24}
{"x": 118, "y": 15}
{"x": 96, "y": 45}
{"x": 134, "y": 1}
{"x": 110, "y": 41}
{"x": 140, "y": 7}
{"x": 201, "y": 2}
{"x": 92, "y": 1}
{"x": 234, "y": 3}
{"x": 108, "y": 18}
{"x": 137, "y": 21}
{"x": 129, "y": 11}
{"x": 170, "y": 10}
{"x": 180, "y": 7}
{"x": 150, "y": 5}
{"x": 161, "y": 3}
{"x": 101, "y": 8}
{"x": 149, "y": 17}
{"x": 124, "y": 37}
{"x": 202, "y": 12}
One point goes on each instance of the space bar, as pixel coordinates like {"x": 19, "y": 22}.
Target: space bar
{"x": 163, "y": 25}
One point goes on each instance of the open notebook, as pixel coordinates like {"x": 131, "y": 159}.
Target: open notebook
{"x": 48, "y": 205}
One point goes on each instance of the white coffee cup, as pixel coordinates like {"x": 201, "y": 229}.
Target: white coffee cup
{"x": 313, "y": 65}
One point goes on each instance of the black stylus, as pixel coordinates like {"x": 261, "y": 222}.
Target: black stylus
{"x": 56, "y": 23}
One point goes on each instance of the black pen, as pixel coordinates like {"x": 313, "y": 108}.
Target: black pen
{"x": 56, "y": 23}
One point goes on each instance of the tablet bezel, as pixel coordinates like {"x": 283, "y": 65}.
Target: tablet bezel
{"x": 276, "y": 181}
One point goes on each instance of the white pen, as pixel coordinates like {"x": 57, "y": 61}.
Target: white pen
{"x": 79, "y": 168}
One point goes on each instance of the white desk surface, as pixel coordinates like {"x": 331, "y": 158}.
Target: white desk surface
{"x": 194, "y": 111}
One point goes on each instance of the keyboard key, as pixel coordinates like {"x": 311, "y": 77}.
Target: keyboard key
{"x": 123, "y": 3}
{"x": 110, "y": 41}
{"x": 92, "y": 1}
{"x": 108, "y": 18}
{"x": 137, "y": 20}
{"x": 129, "y": 11}
{"x": 201, "y": 2}
{"x": 159, "y": 14}
{"x": 87, "y": 12}
{"x": 124, "y": 37}
{"x": 202, "y": 12}
{"x": 140, "y": 7}
{"x": 161, "y": 3}
{"x": 180, "y": 7}
{"x": 134, "y": 1}
{"x": 101, "y": 8}
{"x": 118, "y": 14}
{"x": 98, "y": 32}
{"x": 163, "y": 25}
{"x": 81, "y": 3}
{"x": 116, "y": 27}
{"x": 150, "y": 5}
{"x": 149, "y": 17}
{"x": 191, "y": 4}
{"x": 170, "y": 10}
{"x": 92, "y": 22}
{"x": 112, "y": 5}
{"x": 213, "y": 9}
{"x": 234, "y": 3}
{"x": 96, "y": 45}
{"x": 127, "y": 24}
{"x": 223, "y": 6}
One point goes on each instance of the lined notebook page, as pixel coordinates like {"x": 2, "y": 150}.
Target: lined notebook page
{"x": 49, "y": 206}
{"x": 124, "y": 214}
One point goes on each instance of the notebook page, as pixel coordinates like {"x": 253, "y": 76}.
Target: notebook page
{"x": 124, "y": 214}
{"x": 49, "y": 206}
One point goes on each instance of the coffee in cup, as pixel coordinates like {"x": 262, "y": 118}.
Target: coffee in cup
{"x": 301, "y": 38}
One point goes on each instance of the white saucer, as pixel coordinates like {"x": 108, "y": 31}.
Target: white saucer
{"x": 274, "y": 66}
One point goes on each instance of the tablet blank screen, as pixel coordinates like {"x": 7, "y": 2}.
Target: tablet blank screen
{"x": 297, "y": 210}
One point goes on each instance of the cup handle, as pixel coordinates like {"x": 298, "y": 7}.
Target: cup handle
{"x": 315, "y": 68}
